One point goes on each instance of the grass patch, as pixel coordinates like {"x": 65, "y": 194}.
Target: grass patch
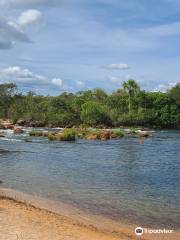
{"x": 117, "y": 134}
{"x": 71, "y": 134}
{"x": 68, "y": 134}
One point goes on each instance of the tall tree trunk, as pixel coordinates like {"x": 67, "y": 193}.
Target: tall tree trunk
{"x": 129, "y": 102}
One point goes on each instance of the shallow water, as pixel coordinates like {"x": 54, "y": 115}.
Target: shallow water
{"x": 127, "y": 179}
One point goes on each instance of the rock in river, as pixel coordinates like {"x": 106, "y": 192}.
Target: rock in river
{"x": 18, "y": 130}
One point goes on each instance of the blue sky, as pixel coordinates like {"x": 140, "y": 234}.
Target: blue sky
{"x": 54, "y": 46}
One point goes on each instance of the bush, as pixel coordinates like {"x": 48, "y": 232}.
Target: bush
{"x": 51, "y": 137}
{"x": 39, "y": 134}
{"x": 117, "y": 134}
{"x": 94, "y": 113}
{"x": 82, "y": 133}
{"x": 68, "y": 134}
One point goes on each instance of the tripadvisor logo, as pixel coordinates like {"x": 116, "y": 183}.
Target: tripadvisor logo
{"x": 139, "y": 231}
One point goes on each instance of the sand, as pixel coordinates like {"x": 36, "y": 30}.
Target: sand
{"x": 23, "y": 221}
{"x": 18, "y": 221}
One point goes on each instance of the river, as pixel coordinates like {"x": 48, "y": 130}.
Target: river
{"x": 128, "y": 179}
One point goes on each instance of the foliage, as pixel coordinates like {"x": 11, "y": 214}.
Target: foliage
{"x": 94, "y": 113}
{"x": 38, "y": 134}
{"x": 71, "y": 134}
{"x": 7, "y": 91}
{"x": 128, "y": 106}
{"x": 117, "y": 134}
{"x": 68, "y": 134}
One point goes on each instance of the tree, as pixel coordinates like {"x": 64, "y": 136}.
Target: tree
{"x": 132, "y": 88}
{"x": 126, "y": 106}
{"x": 174, "y": 95}
{"x": 7, "y": 90}
{"x": 94, "y": 113}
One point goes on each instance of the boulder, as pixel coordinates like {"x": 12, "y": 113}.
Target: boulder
{"x": 105, "y": 135}
{"x": 6, "y": 124}
{"x": 18, "y": 130}
{"x": 2, "y": 134}
{"x": 92, "y": 137}
{"x": 21, "y": 122}
{"x": 144, "y": 134}
{"x": 30, "y": 123}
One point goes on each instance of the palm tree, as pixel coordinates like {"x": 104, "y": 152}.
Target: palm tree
{"x": 132, "y": 88}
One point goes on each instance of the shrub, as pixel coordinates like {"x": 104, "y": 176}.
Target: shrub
{"x": 82, "y": 133}
{"x": 94, "y": 113}
{"x": 68, "y": 134}
{"x": 38, "y": 134}
{"x": 51, "y": 137}
{"x": 117, "y": 134}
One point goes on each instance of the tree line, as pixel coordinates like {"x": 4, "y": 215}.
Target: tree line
{"x": 128, "y": 106}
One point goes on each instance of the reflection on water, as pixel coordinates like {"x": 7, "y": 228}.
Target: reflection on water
{"x": 124, "y": 179}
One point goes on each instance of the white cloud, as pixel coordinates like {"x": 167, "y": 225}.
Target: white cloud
{"x": 28, "y": 17}
{"x": 148, "y": 82}
{"x": 79, "y": 83}
{"x": 164, "y": 87}
{"x": 119, "y": 79}
{"x": 115, "y": 79}
{"x": 57, "y": 82}
{"x": 21, "y": 76}
{"x": 26, "y": 78}
{"x": 117, "y": 66}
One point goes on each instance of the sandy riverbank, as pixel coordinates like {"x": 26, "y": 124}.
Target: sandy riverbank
{"x": 20, "y": 220}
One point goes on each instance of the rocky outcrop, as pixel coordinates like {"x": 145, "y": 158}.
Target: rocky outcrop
{"x": 6, "y": 124}
{"x": 21, "y": 122}
{"x": 18, "y": 130}
{"x": 2, "y": 134}
{"x": 92, "y": 137}
{"x": 104, "y": 135}
{"x": 30, "y": 123}
{"x": 144, "y": 133}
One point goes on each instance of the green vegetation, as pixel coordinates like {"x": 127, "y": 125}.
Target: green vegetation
{"x": 38, "y": 134}
{"x": 68, "y": 134}
{"x": 117, "y": 134}
{"x": 71, "y": 134}
{"x": 94, "y": 113}
{"x": 129, "y": 106}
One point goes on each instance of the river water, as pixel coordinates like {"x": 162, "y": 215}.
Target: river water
{"x": 129, "y": 179}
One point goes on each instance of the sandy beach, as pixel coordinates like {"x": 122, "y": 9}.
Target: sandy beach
{"x": 18, "y": 221}
{"x": 21, "y": 220}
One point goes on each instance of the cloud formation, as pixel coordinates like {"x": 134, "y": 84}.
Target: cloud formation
{"x": 29, "y": 17}
{"x": 164, "y": 87}
{"x": 91, "y": 34}
{"x": 21, "y": 76}
{"x": 25, "y": 77}
{"x": 79, "y": 83}
{"x": 57, "y": 82}
{"x": 11, "y": 33}
{"x": 117, "y": 66}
